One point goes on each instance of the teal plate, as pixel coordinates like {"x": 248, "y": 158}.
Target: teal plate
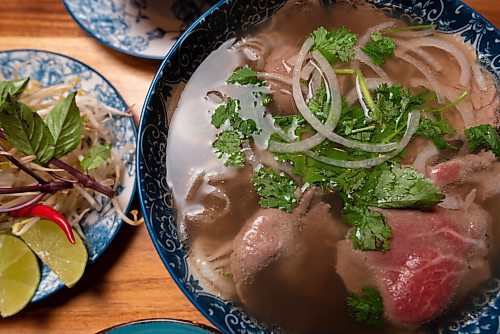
{"x": 160, "y": 326}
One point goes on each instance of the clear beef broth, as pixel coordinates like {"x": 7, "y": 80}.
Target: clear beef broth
{"x": 306, "y": 294}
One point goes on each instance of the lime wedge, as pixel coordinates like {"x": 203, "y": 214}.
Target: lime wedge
{"x": 19, "y": 275}
{"x": 49, "y": 243}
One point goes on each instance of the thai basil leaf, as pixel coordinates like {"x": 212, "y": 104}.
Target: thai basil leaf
{"x": 26, "y": 131}
{"x": 11, "y": 87}
{"x": 96, "y": 157}
{"x": 65, "y": 124}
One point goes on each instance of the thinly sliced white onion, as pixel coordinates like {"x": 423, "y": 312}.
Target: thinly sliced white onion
{"x": 371, "y": 83}
{"x": 404, "y": 46}
{"x": 425, "y": 70}
{"x": 362, "y": 57}
{"x": 479, "y": 77}
{"x": 366, "y": 36}
{"x": 274, "y": 77}
{"x": 411, "y": 128}
{"x": 448, "y": 47}
{"x": 414, "y": 33}
{"x": 423, "y": 156}
{"x": 326, "y": 130}
{"x": 366, "y": 111}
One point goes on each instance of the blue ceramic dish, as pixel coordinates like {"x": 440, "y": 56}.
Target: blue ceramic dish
{"x": 222, "y": 22}
{"x": 141, "y": 28}
{"x": 100, "y": 227}
{"x": 160, "y": 326}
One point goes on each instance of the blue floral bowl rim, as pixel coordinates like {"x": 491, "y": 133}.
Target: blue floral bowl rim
{"x": 134, "y": 128}
{"x": 166, "y": 321}
{"x": 100, "y": 40}
{"x": 142, "y": 122}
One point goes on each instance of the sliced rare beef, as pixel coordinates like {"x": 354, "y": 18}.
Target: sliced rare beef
{"x": 431, "y": 254}
{"x": 457, "y": 169}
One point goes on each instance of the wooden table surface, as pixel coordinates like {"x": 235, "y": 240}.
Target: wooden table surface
{"x": 129, "y": 281}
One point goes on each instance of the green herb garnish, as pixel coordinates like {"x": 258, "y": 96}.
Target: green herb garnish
{"x": 245, "y": 76}
{"x": 483, "y": 135}
{"x": 335, "y": 45}
{"x": 96, "y": 157}
{"x": 275, "y": 190}
{"x": 378, "y": 47}
{"x": 228, "y": 146}
{"x": 367, "y": 307}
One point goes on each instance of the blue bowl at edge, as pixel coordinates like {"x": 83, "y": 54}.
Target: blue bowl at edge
{"x": 226, "y": 20}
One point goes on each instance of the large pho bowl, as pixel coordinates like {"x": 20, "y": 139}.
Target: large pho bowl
{"x": 226, "y": 20}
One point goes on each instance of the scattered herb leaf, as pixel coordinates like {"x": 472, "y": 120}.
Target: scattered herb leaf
{"x": 26, "y": 131}
{"x": 65, "y": 125}
{"x": 12, "y": 88}
{"x": 367, "y": 307}
{"x": 275, "y": 190}
{"x": 96, "y": 157}
{"x": 228, "y": 146}
{"x": 378, "y": 47}
{"x": 335, "y": 45}
{"x": 245, "y": 76}
{"x": 483, "y": 135}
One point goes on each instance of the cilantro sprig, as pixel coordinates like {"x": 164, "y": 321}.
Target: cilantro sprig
{"x": 275, "y": 190}
{"x": 483, "y": 135}
{"x": 379, "y": 47}
{"x": 335, "y": 45}
{"x": 367, "y": 307}
{"x": 245, "y": 76}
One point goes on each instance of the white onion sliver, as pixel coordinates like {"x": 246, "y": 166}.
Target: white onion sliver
{"x": 326, "y": 129}
{"x": 366, "y": 36}
{"x": 362, "y": 57}
{"x": 274, "y": 77}
{"x": 371, "y": 83}
{"x": 366, "y": 111}
{"x": 414, "y": 34}
{"x": 413, "y": 121}
{"x": 448, "y": 47}
{"x": 479, "y": 77}
{"x": 423, "y": 156}
{"x": 425, "y": 70}
{"x": 404, "y": 46}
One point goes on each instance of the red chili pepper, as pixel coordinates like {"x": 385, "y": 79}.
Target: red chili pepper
{"x": 46, "y": 212}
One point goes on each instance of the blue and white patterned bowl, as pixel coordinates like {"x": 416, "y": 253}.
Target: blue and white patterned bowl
{"x": 142, "y": 28}
{"x": 219, "y": 24}
{"x": 100, "y": 227}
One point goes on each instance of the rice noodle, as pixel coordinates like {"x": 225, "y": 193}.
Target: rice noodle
{"x": 459, "y": 56}
{"x": 426, "y": 72}
{"x": 411, "y": 128}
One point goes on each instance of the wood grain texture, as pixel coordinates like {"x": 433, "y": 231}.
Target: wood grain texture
{"x": 129, "y": 282}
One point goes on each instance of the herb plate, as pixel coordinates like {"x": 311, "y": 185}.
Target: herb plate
{"x": 160, "y": 326}
{"x": 140, "y": 28}
{"x": 100, "y": 227}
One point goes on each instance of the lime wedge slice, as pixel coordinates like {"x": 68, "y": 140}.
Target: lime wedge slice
{"x": 19, "y": 275}
{"x": 49, "y": 243}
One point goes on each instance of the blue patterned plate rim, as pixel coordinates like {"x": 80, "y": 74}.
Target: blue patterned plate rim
{"x": 159, "y": 325}
{"x": 142, "y": 121}
{"x": 93, "y": 35}
{"x": 145, "y": 113}
{"x": 110, "y": 238}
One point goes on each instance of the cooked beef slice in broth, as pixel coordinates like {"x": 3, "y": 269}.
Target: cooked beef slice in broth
{"x": 431, "y": 253}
